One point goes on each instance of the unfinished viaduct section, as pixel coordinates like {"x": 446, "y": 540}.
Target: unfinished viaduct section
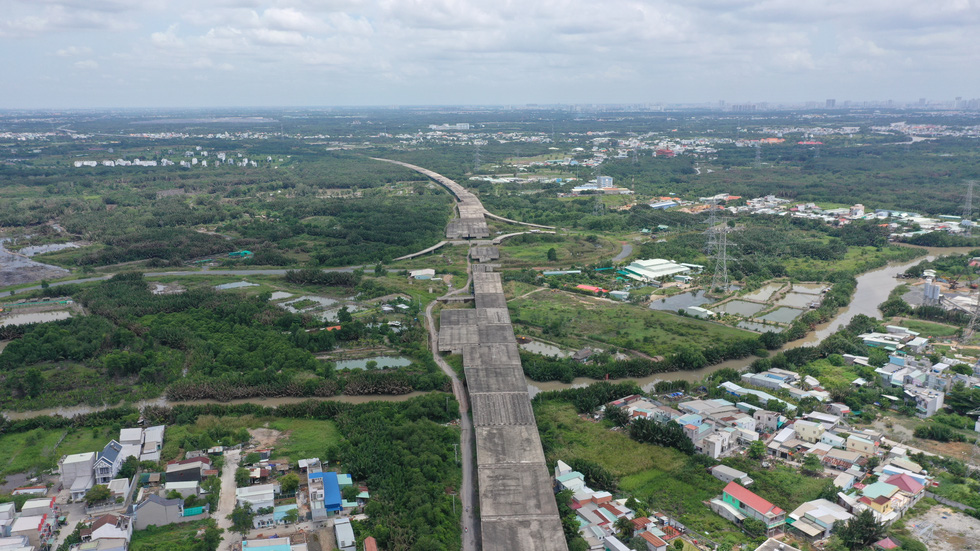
{"x": 516, "y": 498}
{"x": 472, "y": 222}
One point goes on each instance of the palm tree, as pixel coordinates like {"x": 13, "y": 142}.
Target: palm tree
{"x": 624, "y": 527}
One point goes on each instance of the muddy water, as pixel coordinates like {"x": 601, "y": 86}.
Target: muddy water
{"x": 266, "y": 402}
{"x": 872, "y": 289}
{"x": 36, "y": 317}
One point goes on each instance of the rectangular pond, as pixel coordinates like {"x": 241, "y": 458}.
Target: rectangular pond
{"x": 759, "y": 327}
{"x": 678, "y": 301}
{"x": 782, "y": 315}
{"x": 383, "y": 362}
{"x": 739, "y": 307}
{"x": 765, "y": 292}
{"x": 544, "y": 349}
{"x": 810, "y": 288}
{"x": 37, "y": 317}
{"x": 798, "y": 300}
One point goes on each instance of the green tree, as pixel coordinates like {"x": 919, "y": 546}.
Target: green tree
{"x": 379, "y": 270}
{"x": 129, "y": 468}
{"x": 757, "y": 449}
{"x": 289, "y": 483}
{"x": 343, "y": 316}
{"x": 624, "y": 528}
{"x": 96, "y": 494}
{"x": 552, "y": 254}
{"x": 291, "y": 516}
{"x": 679, "y": 544}
{"x": 811, "y": 464}
{"x": 252, "y": 458}
{"x": 861, "y": 531}
{"x": 241, "y": 518}
{"x": 349, "y": 493}
{"x": 617, "y": 415}
{"x": 754, "y": 528}
{"x": 877, "y": 357}
{"x": 242, "y": 477}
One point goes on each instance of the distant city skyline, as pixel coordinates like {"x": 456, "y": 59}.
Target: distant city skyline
{"x": 65, "y": 54}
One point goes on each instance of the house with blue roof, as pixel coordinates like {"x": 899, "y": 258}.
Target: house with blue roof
{"x": 108, "y": 462}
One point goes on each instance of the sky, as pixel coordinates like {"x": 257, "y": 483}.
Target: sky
{"x": 214, "y": 53}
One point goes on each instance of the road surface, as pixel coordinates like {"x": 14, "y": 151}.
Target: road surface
{"x": 623, "y": 254}
{"x": 226, "y": 502}
{"x": 467, "y": 492}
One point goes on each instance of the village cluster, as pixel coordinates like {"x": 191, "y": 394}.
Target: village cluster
{"x": 869, "y": 471}
{"x": 106, "y": 504}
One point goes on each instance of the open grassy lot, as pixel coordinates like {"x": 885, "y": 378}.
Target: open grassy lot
{"x": 305, "y": 438}
{"x": 577, "y": 250}
{"x": 575, "y": 320}
{"x": 852, "y": 261}
{"x": 40, "y": 449}
{"x": 173, "y": 537}
{"x": 928, "y": 328}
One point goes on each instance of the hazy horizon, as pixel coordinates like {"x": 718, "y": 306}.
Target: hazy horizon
{"x": 175, "y": 54}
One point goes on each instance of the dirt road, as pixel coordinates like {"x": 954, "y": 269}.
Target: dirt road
{"x": 226, "y": 502}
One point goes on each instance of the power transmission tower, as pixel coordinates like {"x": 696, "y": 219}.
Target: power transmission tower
{"x": 758, "y": 155}
{"x": 720, "y": 278}
{"x": 968, "y": 208}
{"x": 476, "y": 156}
{"x": 598, "y": 208}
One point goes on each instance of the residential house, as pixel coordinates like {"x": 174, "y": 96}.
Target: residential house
{"x": 861, "y": 445}
{"x": 838, "y": 408}
{"x": 926, "y": 401}
{"x": 185, "y": 489}
{"x": 38, "y": 506}
{"x": 103, "y": 544}
{"x": 188, "y": 469}
{"x": 269, "y": 544}
{"x": 36, "y": 528}
{"x": 908, "y": 487}
{"x": 78, "y": 473}
{"x": 808, "y": 431}
{"x": 119, "y": 487}
{"x": 157, "y": 511}
{"x": 7, "y": 513}
{"x": 345, "y": 535}
{"x": 725, "y": 473}
{"x": 844, "y": 481}
{"x": 842, "y": 459}
{"x": 814, "y": 520}
{"x": 653, "y": 542}
{"x": 109, "y": 526}
{"x": 108, "y": 462}
{"x": 767, "y": 421}
{"x": 612, "y": 543}
{"x": 775, "y": 545}
{"x": 746, "y": 504}
{"x": 18, "y": 543}
{"x": 833, "y": 440}
{"x": 259, "y": 496}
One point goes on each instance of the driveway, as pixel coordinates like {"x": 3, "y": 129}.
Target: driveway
{"x": 226, "y": 502}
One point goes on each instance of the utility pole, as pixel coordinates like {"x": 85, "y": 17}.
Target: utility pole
{"x": 968, "y": 209}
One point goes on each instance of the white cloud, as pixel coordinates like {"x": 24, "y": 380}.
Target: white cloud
{"x": 73, "y": 51}
{"x": 87, "y": 64}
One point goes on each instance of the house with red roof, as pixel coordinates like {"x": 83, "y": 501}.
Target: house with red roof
{"x": 908, "y": 486}
{"x": 886, "y": 544}
{"x": 653, "y": 542}
{"x": 739, "y": 503}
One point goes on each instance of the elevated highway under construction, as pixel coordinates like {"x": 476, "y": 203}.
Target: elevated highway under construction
{"x": 517, "y": 504}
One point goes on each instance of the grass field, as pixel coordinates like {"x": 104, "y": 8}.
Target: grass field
{"x": 853, "y": 258}
{"x": 172, "y": 537}
{"x": 40, "y": 449}
{"x": 571, "y": 250}
{"x": 305, "y": 438}
{"x": 930, "y": 329}
{"x": 579, "y": 320}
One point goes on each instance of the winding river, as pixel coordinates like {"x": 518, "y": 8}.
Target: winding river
{"x": 872, "y": 289}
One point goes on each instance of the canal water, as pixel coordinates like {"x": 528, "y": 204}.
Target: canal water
{"x": 872, "y": 289}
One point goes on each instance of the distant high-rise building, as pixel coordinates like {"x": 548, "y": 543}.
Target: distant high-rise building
{"x": 922, "y": 102}
{"x": 605, "y": 181}
{"x": 831, "y": 103}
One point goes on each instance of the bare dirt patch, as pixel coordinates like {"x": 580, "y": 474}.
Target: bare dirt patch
{"x": 265, "y": 438}
{"x": 952, "y": 530}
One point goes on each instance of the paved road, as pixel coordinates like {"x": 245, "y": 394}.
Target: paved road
{"x": 183, "y": 273}
{"x": 627, "y": 250}
{"x": 226, "y": 502}
{"x": 467, "y": 494}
